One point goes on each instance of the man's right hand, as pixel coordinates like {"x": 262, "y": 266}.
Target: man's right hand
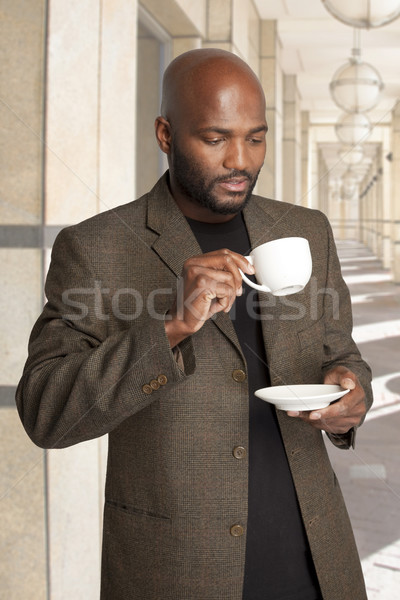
{"x": 209, "y": 284}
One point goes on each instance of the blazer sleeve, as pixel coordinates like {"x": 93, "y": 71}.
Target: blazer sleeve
{"x": 80, "y": 382}
{"x": 340, "y": 348}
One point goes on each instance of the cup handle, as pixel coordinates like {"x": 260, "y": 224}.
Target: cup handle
{"x": 256, "y": 286}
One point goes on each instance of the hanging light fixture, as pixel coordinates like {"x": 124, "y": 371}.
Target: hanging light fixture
{"x": 351, "y": 155}
{"x": 356, "y": 86}
{"x": 353, "y": 128}
{"x": 364, "y": 13}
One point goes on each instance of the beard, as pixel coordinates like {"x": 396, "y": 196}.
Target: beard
{"x": 201, "y": 190}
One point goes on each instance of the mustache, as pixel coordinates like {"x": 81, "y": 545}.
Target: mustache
{"x": 233, "y": 173}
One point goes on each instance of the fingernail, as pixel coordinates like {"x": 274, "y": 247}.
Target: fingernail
{"x": 293, "y": 413}
{"x": 239, "y": 291}
{"x": 349, "y": 383}
{"x": 315, "y": 416}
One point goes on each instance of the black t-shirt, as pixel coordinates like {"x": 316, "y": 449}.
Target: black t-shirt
{"x": 278, "y": 561}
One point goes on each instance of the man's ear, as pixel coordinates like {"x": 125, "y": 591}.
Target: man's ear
{"x": 163, "y": 134}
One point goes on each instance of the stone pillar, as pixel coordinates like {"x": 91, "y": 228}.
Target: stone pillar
{"x": 361, "y": 212}
{"x": 386, "y": 198}
{"x": 291, "y": 147}
{"x": 344, "y": 209}
{"x": 270, "y": 180}
{"x": 314, "y": 198}
{"x": 90, "y": 128}
{"x": 369, "y": 209}
{"x": 323, "y": 185}
{"x": 379, "y": 209}
{"x": 395, "y": 233}
{"x": 305, "y": 159}
{"x": 372, "y": 209}
{"x": 184, "y": 44}
{"x": 219, "y": 23}
{"x": 233, "y": 25}
{"x": 90, "y": 167}
{"x": 23, "y": 476}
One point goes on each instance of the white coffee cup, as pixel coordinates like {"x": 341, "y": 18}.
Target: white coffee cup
{"x": 282, "y": 267}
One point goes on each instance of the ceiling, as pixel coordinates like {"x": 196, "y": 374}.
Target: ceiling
{"x": 314, "y": 45}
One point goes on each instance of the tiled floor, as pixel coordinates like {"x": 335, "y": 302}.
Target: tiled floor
{"x": 370, "y": 474}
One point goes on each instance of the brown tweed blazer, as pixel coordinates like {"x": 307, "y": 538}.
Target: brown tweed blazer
{"x": 99, "y": 362}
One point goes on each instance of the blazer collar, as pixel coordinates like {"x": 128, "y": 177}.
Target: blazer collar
{"x": 176, "y": 243}
{"x": 266, "y": 222}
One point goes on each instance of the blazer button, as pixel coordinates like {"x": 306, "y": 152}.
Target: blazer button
{"x": 237, "y": 530}
{"x": 147, "y": 389}
{"x": 154, "y": 384}
{"x": 238, "y": 375}
{"x": 239, "y": 452}
{"x": 162, "y": 379}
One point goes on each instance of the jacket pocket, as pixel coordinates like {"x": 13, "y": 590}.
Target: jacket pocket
{"x": 135, "y": 511}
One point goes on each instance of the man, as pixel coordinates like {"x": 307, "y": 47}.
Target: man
{"x": 148, "y": 335}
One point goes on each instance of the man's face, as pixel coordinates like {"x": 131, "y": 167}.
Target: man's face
{"x": 218, "y": 148}
{"x": 225, "y": 194}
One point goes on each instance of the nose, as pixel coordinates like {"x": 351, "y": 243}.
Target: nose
{"x": 237, "y": 155}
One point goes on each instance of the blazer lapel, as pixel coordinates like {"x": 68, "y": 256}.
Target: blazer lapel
{"x": 176, "y": 243}
{"x": 264, "y": 225}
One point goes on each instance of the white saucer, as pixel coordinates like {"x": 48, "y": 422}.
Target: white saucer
{"x": 301, "y": 397}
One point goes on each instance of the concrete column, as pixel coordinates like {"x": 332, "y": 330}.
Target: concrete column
{"x": 372, "y": 203}
{"x": 305, "y": 159}
{"x": 291, "y": 147}
{"x": 22, "y": 474}
{"x": 344, "y": 210}
{"x": 314, "y": 198}
{"x": 232, "y": 25}
{"x": 362, "y": 213}
{"x": 323, "y": 185}
{"x": 386, "y": 199}
{"x": 117, "y": 72}
{"x": 369, "y": 209}
{"x": 379, "y": 211}
{"x": 184, "y": 44}
{"x": 90, "y": 156}
{"x": 90, "y": 127}
{"x": 395, "y": 233}
{"x": 219, "y": 22}
{"x": 270, "y": 181}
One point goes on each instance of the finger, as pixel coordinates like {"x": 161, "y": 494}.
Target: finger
{"x": 198, "y": 273}
{"x": 208, "y": 298}
{"x": 239, "y": 259}
{"x": 336, "y": 410}
{"x": 339, "y": 416}
{"x": 341, "y": 376}
{"x": 231, "y": 262}
{"x": 227, "y": 261}
{"x": 347, "y": 383}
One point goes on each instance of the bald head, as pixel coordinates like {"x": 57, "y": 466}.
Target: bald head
{"x": 212, "y": 128}
{"x": 203, "y": 72}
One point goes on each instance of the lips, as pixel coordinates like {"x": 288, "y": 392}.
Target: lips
{"x": 235, "y": 184}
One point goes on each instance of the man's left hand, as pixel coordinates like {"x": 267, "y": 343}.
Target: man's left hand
{"x": 345, "y": 413}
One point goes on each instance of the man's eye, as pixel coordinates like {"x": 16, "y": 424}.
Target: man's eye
{"x": 256, "y": 140}
{"x": 213, "y": 141}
